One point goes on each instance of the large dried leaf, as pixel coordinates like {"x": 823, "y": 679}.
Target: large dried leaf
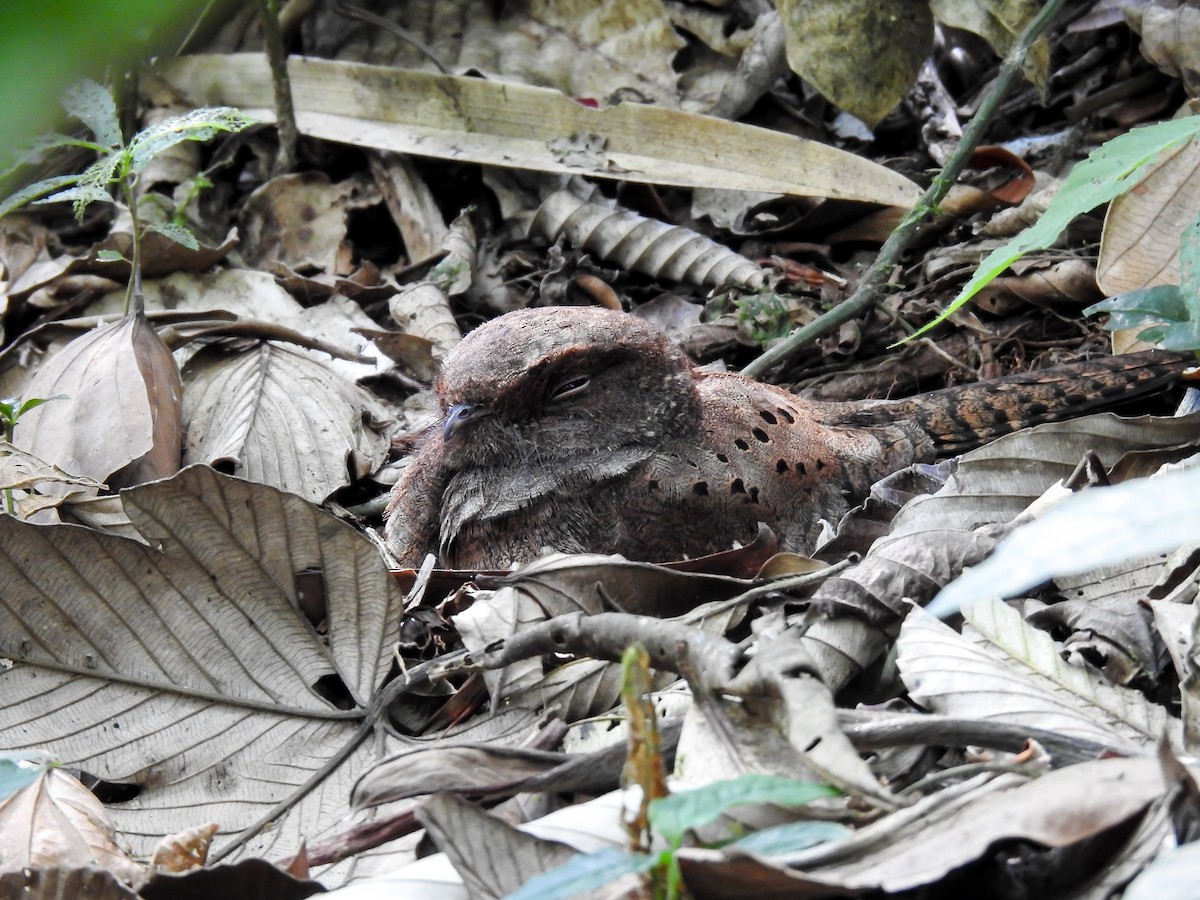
{"x": 862, "y": 55}
{"x": 1140, "y": 244}
{"x": 947, "y": 830}
{"x": 934, "y": 535}
{"x": 1170, "y": 39}
{"x": 493, "y": 857}
{"x": 559, "y": 584}
{"x": 588, "y": 827}
{"x": 469, "y": 119}
{"x": 297, "y": 221}
{"x": 281, "y": 418}
{"x": 56, "y": 821}
{"x": 582, "y": 48}
{"x": 186, "y": 668}
{"x": 1093, "y": 529}
{"x": 1005, "y": 669}
{"x": 122, "y": 405}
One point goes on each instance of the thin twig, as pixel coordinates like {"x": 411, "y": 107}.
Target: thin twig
{"x": 285, "y": 110}
{"x": 870, "y": 289}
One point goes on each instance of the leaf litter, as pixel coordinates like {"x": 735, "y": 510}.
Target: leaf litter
{"x": 216, "y": 648}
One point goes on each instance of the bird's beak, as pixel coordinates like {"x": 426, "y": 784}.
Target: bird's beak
{"x": 461, "y": 413}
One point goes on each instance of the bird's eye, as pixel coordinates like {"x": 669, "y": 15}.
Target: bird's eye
{"x": 569, "y": 387}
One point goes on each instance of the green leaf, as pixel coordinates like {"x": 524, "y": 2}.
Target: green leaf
{"x": 1177, "y": 336}
{"x": 791, "y": 838}
{"x": 672, "y": 816}
{"x": 1161, "y": 303}
{"x": 176, "y": 232}
{"x": 35, "y": 191}
{"x": 80, "y": 196}
{"x": 585, "y": 872}
{"x": 1112, "y": 169}
{"x": 93, "y": 105}
{"x": 20, "y": 769}
{"x": 36, "y": 402}
{"x": 110, "y": 256}
{"x": 37, "y": 149}
{"x": 1152, "y": 335}
{"x": 197, "y": 125}
{"x": 1189, "y": 267}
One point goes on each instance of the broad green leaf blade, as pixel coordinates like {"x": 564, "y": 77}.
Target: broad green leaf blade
{"x": 36, "y": 150}
{"x": 177, "y": 233}
{"x": 1112, "y": 169}
{"x": 585, "y": 872}
{"x": 92, "y": 104}
{"x": 1161, "y": 303}
{"x": 672, "y": 816}
{"x": 87, "y": 193}
{"x": 1120, "y": 321}
{"x": 197, "y": 125}
{"x": 35, "y": 191}
{"x": 1189, "y": 267}
{"x": 791, "y": 838}
{"x": 1099, "y": 527}
{"x": 1179, "y": 336}
{"x": 19, "y": 769}
{"x": 36, "y": 402}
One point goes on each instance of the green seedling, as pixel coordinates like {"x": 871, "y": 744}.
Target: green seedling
{"x": 1172, "y": 311}
{"x": 1112, "y": 169}
{"x": 113, "y": 177}
{"x": 673, "y": 817}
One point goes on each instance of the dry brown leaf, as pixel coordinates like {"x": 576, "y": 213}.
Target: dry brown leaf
{"x": 299, "y": 222}
{"x": 123, "y": 406}
{"x": 411, "y": 203}
{"x": 469, "y": 119}
{"x": 1140, "y": 244}
{"x": 933, "y": 535}
{"x": 584, "y": 50}
{"x": 944, "y": 831}
{"x": 184, "y": 851}
{"x": 1170, "y": 39}
{"x": 1005, "y": 669}
{"x": 200, "y": 635}
{"x": 862, "y": 55}
{"x": 56, "y": 821}
{"x": 279, "y": 417}
{"x": 1071, "y": 282}
{"x": 492, "y": 856}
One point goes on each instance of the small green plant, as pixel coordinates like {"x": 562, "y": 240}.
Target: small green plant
{"x": 112, "y": 178}
{"x": 1112, "y": 169}
{"x": 766, "y": 316}
{"x": 1172, "y": 311}
{"x": 11, "y": 410}
{"x": 673, "y": 817}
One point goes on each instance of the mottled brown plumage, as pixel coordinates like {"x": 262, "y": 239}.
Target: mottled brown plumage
{"x": 578, "y": 429}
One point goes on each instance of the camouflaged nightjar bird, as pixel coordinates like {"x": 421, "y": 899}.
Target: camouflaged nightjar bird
{"x": 580, "y": 429}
